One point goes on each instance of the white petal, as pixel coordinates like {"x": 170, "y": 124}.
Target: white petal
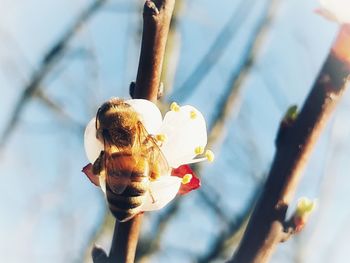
{"x": 338, "y": 10}
{"x": 149, "y": 113}
{"x": 93, "y": 146}
{"x": 161, "y": 192}
{"x": 183, "y": 135}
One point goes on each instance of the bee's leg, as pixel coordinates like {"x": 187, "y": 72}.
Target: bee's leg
{"x": 155, "y": 173}
{"x": 97, "y": 166}
{"x": 152, "y": 197}
{"x": 132, "y": 89}
{"x": 160, "y": 91}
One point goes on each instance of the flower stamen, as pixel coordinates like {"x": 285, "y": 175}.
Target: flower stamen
{"x": 209, "y": 155}
{"x": 161, "y": 137}
{"x": 174, "y": 107}
{"x": 193, "y": 114}
{"x": 199, "y": 150}
{"x": 187, "y": 178}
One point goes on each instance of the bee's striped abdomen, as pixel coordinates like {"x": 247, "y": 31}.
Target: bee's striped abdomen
{"x": 128, "y": 203}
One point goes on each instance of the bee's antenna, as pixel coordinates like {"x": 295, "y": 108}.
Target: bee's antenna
{"x": 97, "y": 117}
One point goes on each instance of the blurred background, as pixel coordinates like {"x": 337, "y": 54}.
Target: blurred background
{"x": 242, "y": 63}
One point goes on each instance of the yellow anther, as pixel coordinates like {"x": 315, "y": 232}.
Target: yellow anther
{"x": 186, "y": 179}
{"x": 193, "y": 114}
{"x": 161, "y": 137}
{"x": 199, "y": 150}
{"x": 174, "y": 107}
{"x": 209, "y": 155}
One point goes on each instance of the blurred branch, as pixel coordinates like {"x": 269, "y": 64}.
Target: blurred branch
{"x": 54, "y": 54}
{"x": 150, "y": 245}
{"x": 226, "y": 106}
{"x": 172, "y": 54}
{"x": 212, "y": 201}
{"x": 55, "y": 107}
{"x": 156, "y": 20}
{"x": 215, "y": 51}
{"x": 104, "y": 226}
{"x": 13, "y": 72}
{"x": 12, "y": 67}
{"x": 294, "y": 144}
{"x": 231, "y": 99}
{"x": 219, "y": 244}
{"x": 230, "y": 102}
{"x": 116, "y": 7}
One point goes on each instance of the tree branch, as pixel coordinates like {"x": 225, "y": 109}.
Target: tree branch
{"x": 156, "y": 16}
{"x": 125, "y": 240}
{"x": 156, "y": 22}
{"x": 266, "y": 226}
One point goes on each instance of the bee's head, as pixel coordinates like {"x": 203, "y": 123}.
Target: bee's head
{"x": 116, "y": 122}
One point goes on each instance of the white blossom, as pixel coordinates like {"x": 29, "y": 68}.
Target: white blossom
{"x": 184, "y": 137}
{"x": 336, "y": 10}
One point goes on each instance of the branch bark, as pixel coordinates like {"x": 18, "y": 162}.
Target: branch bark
{"x": 125, "y": 239}
{"x": 266, "y": 226}
{"x": 156, "y": 21}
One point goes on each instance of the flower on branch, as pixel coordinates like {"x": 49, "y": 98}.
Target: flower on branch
{"x": 335, "y": 10}
{"x": 180, "y": 139}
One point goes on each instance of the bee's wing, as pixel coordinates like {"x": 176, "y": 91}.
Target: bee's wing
{"x": 118, "y": 171}
{"x": 157, "y": 161}
{"x": 117, "y": 166}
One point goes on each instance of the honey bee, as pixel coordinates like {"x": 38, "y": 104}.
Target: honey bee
{"x": 130, "y": 160}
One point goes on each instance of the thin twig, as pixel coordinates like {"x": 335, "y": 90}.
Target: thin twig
{"x": 215, "y": 51}
{"x": 156, "y": 22}
{"x": 294, "y": 145}
{"x": 54, "y": 54}
{"x": 157, "y": 16}
{"x": 55, "y": 107}
{"x": 218, "y": 244}
{"x": 230, "y": 101}
{"x": 152, "y": 244}
{"x": 172, "y": 54}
